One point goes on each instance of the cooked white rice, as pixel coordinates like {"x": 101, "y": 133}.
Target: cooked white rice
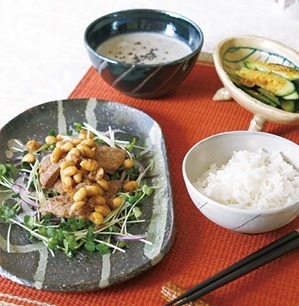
{"x": 252, "y": 180}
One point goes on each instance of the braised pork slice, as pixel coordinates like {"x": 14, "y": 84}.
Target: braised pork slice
{"x": 58, "y": 186}
{"x": 48, "y": 172}
{"x": 110, "y": 159}
{"x": 60, "y": 206}
{"x": 114, "y": 187}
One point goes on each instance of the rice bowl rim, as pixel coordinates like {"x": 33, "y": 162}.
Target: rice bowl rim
{"x": 247, "y": 211}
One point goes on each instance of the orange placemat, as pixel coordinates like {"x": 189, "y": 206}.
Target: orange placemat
{"x": 200, "y": 248}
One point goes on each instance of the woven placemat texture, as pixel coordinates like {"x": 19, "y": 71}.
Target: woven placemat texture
{"x": 200, "y": 248}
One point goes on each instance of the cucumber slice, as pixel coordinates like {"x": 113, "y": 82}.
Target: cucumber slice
{"x": 288, "y": 106}
{"x": 289, "y": 73}
{"x": 292, "y": 96}
{"x": 256, "y": 95}
{"x": 269, "y": 95}
{"x": 247, "y": 83}
{"x": 271, "y": 82}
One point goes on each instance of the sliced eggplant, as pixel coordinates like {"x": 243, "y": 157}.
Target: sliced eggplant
{"x": 287, "y": 72}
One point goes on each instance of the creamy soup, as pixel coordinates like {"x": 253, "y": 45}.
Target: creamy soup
{"x": 144, "y": 48}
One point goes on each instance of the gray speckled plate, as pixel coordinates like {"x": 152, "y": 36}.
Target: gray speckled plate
{"x": 31, "y": 264}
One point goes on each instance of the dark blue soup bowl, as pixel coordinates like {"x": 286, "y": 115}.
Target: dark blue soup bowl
{"x": 143, "y": 80}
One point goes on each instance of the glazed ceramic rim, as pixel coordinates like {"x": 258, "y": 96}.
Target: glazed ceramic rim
{"x": 227, "y": 82}
{"x": 250, "y": 211}
{"x": 168, "y": 14}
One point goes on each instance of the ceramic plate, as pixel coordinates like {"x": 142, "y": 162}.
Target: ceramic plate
{"x": 31, "y": 264}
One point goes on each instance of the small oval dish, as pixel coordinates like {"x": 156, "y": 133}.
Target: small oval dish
{"x": 123, "y": 64}
{"x": 231, "y": 53}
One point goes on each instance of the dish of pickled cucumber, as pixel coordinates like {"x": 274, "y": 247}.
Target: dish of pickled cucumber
{"x": 274, "y": 84}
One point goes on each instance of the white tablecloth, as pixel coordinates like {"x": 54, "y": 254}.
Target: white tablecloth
{"x": 42, "y": 53}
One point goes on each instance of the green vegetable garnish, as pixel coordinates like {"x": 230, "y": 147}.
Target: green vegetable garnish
{"x": 24, "y": 196}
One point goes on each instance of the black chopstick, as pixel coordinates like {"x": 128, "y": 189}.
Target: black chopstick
{"x": 255, "y": 260}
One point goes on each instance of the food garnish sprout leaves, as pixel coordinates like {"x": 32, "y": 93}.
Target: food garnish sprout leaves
{"x": 103, "y": 227}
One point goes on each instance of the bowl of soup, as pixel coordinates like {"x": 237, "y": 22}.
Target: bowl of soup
{"x": 143, "y": 53}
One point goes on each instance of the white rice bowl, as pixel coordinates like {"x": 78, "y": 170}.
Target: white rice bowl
{"x": 244, "y": 181}
{"x": 248, "y": 180}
